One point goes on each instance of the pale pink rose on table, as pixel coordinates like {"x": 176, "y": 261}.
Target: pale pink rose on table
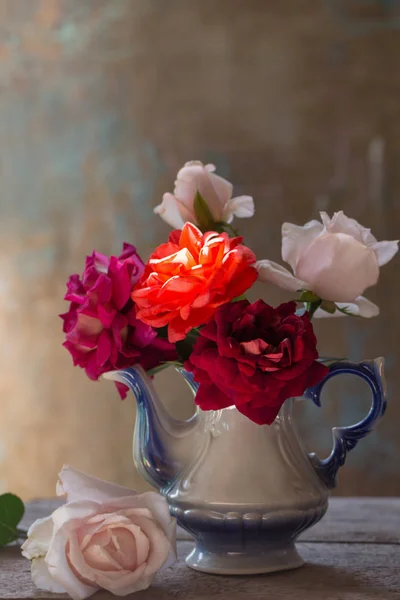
{"x": 177, "y": 208}
{"x": 104, "y": 537}
{"x": 337, "y": 259}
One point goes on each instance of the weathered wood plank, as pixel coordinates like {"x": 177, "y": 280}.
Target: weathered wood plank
{"x": 358, "y": 520}
{"x": 333, "y": 572}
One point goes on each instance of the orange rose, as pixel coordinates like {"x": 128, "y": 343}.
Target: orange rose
{"x": 186, "y": 279}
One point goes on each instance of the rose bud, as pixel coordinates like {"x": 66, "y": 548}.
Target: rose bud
{"x": 178, "y": 208}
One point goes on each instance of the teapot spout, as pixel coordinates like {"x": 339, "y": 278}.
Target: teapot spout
{"x": 162, "y": 445}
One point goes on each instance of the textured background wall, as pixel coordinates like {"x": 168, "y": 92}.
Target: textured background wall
{"x": 101, "y": 101}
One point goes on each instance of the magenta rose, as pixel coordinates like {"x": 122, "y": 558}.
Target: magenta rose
{"x": 254, "y": 356}
{"x": 102, "y": 331}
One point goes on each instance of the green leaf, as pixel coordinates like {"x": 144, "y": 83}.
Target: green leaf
{"x": 312, "y": 307}
{"x": 222, "y": 227}
{"x": 307, "y": 296}
{"x": 11, "y": 512}
{"x": 162, "y": 332}
{"x": 184, "y": 350}
{"x": 346, "y": 311}
{"x": 239, "y": 298}
{"x": 328, "y": 306}
{"x": 203, "y": 214}
{"x": 185, "y": 347}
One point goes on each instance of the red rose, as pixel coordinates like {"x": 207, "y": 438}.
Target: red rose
{"x": 255, "y": 356}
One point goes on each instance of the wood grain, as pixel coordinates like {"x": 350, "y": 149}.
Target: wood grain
{"x": 353, "y": 554}
{"x": 358, "y": 520}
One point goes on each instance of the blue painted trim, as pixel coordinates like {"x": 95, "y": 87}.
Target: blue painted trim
{"x": 188, "y": 377}
{"x": 150, "y": 454}
{"x": 346, "y": 438}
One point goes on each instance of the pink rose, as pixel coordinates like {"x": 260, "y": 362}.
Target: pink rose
{"x": 104, "y": 537}
{"x": 178, "y": 208}
{"x": 102, "y": 331}
{"x": 337, "y": 259}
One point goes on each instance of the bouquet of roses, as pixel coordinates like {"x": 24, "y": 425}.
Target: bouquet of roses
{"x": 187, "y": 307}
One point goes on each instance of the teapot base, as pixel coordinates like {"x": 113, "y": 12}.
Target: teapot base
{"x": 269, "y": 560}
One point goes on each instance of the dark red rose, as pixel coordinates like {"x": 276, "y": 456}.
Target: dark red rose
{"x": 255, "y": 356}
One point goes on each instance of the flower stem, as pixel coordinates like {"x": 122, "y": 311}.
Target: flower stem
{"x": 312, "y": 307}
{"x": 164, "y": 365}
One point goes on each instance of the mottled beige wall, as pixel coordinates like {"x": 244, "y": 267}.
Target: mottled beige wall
{"x": 100, "y": 102}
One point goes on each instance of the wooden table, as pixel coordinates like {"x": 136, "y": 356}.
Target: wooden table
{"x": 352, "y": 554}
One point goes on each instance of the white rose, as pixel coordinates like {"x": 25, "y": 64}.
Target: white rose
{"x": 177, "y": 208}
{"x": 105, "y": 536}
{"x": 337, "y": 260}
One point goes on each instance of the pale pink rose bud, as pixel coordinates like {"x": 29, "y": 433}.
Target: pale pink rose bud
{"x": 177, "y": 208}
{"x": 337, "y": 259}
{"x": 104, "y": 537}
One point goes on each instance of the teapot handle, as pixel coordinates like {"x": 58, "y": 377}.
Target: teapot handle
{"x": 346, "y": 438}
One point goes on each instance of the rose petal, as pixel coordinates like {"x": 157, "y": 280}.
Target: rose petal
{"x": 81, "y": 509}
{"x": 210, "y": 397}
{"x": 127, "y": 582}
{"x": 87, "y": 327}
{"x": 337, "y": 267}
{"x": 76, "y": 485}
{"x": 42, "y": 579}
{"x": 340, "y": 223}
{"x": 169, "y": 211}
{"x": 158, "y": 506}
{"x": 194, "y": 177}
{"x": 38, "y": 541}
{"x": 95, "y": 556}
{"x": 296, "y": 239}
{"x": 159, "y": 547}
{"x": 103, "y": 349}
{"x": 60, "y": 570}
{"x": 264, "y": 415}
{"x": 126, "y": 550}
{"x": 385, "y": 251}
{"x": 271, "y": 272}
{"x": 241, "y": 207}
{"x": 222, "y": 187}
{"x": 119, "y": 273}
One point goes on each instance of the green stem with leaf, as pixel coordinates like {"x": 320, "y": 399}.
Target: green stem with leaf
{"x": 312, "y": 307}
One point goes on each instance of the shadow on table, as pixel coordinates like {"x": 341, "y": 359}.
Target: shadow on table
{"x": 311, "y": 582}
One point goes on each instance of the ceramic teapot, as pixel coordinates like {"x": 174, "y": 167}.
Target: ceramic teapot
{"x": 244, "y": 491}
